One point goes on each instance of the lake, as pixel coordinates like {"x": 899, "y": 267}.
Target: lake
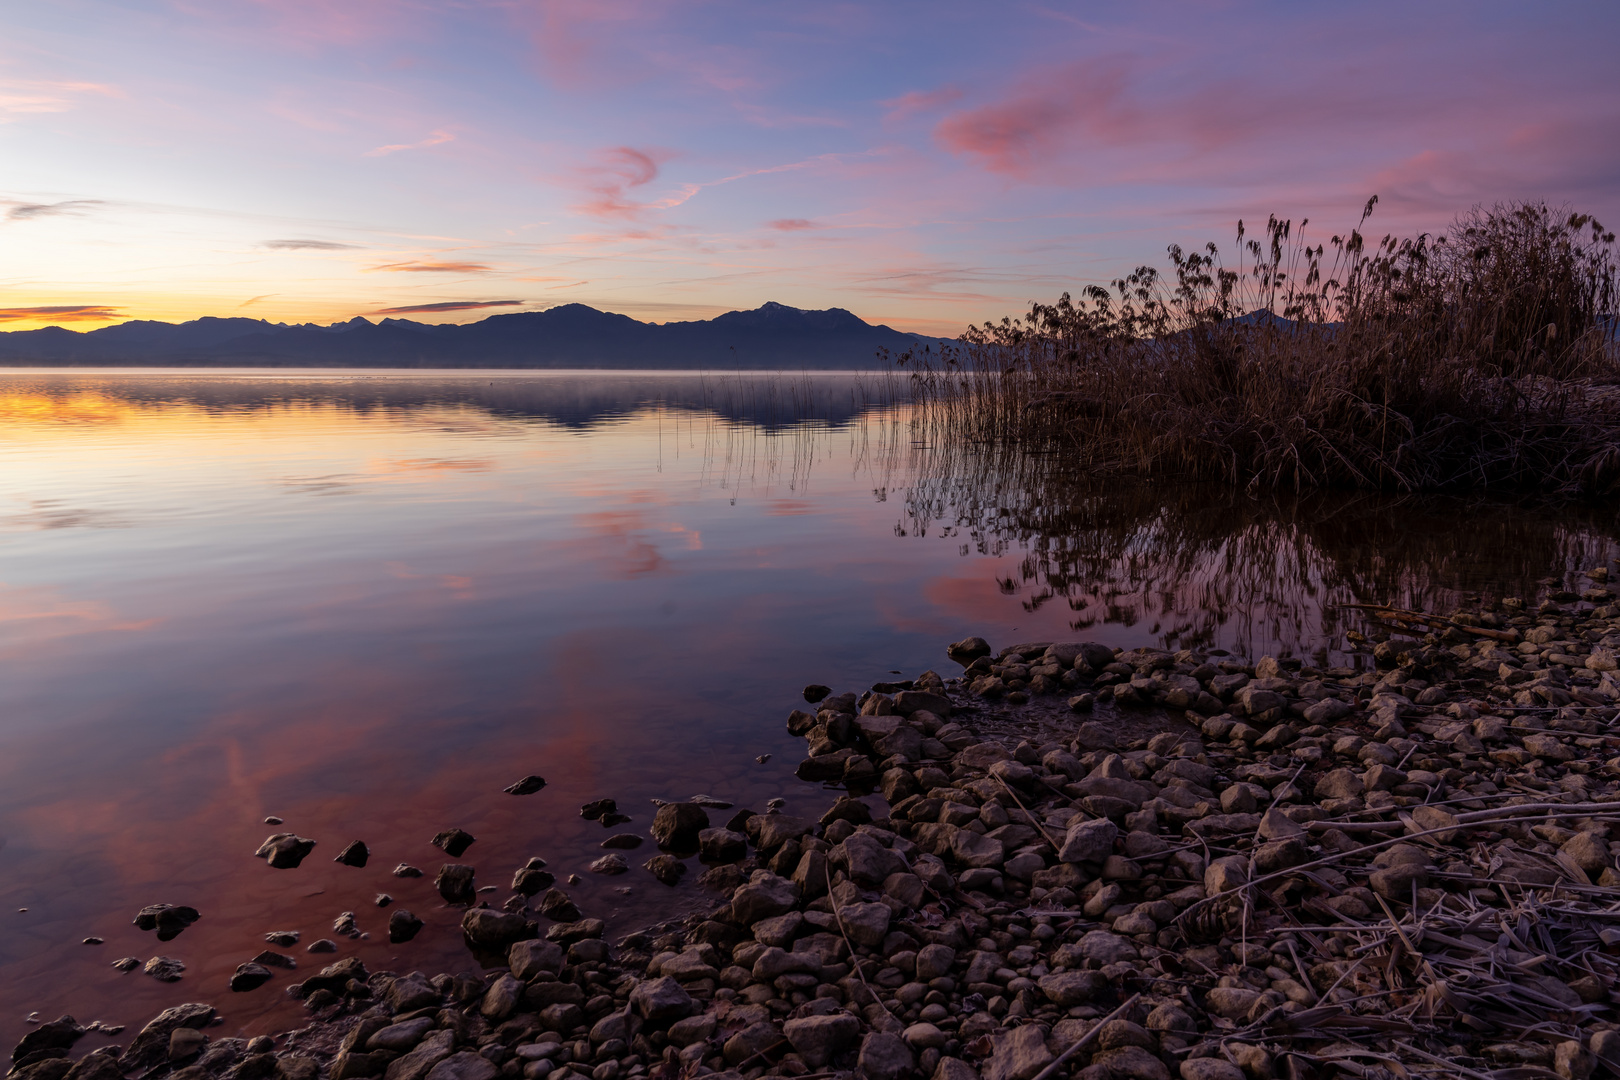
{"x": 367, "y": 602}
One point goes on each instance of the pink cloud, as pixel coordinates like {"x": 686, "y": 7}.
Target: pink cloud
{"x": 915, "y": 102}
{"x": 438, "y": 138}
{"x": 619, "y": 170}
{"x": 793, "y": 224}
{"x": 1042, "y": 120}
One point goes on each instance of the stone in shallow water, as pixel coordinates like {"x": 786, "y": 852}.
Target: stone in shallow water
{"x": 677, "y": 825}
{"x": 164, "y": 968}
{"x": 454, "y": 841}
{"x": 356, "y": 854}
{"x": 526, "y": 786}
{"x": 285, "y": 851}
{"x": 455, "y": 883}
{"x": 402, "y": 926}
{"x": 611, "y": 863}
{"x": 666, "y": 868}
{"x": 249, "y": 976}
{"x": 167, "y": 919}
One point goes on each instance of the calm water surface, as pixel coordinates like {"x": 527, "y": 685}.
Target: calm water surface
{"x": 365, "y": 604}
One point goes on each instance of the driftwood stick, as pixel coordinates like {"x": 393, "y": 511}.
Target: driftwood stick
{"x": 1057, "y": 1062}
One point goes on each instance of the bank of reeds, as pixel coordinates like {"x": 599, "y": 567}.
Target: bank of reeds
{"x": 1482, "y": 360}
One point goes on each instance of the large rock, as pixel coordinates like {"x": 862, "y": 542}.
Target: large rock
{"x": 1017, "y": 1055}
{"x": 529, "y": 958}
{"x": 885, "y": 1057}
{"x": 1433, "y": 817}
{"x": 975, "y": 851}
{"x": 765, "y": 896}
{"x": 1232, "y": 1002}
{"x": 1131, "y": 1063}
{"x": 249, "y": 976}
{"x": 411, "y": 993}
{"x": 167, "y": 919}
{"x": 676, "y": 825}
{"x": 151, "y": 1046}
{"x": 1067, "y": 989}
{"x": 465, "y": 1065}
{"x": 819, "y": 1039}
{"x": 486, "y": 928}
{"x": 1339, "y": 784}
{"x": 1104, "y": 947}
{"x": 501, "y": 999}
{"x": 967, "y": 650}
{"x": 771, "y": 831}
{"x": 866, "y": 924}
{"x": 722, "y": 846}
{"x": 59, "y": 1034}
{"x": 402, "y": 926}
{"x": 1225, "y": 874}
{"x": 661, "y": 1001}
{"x": 934, "y": 961}
{"x": 285, "y": 851}
{"x": 455, "y": 884}
{"x": 434, "y": 1048}
{"x": 1089, "y": 841}
{"x": 401, "y": 1038}
{"x": 335, "y": 977}
{"x": 1587, "y": 850}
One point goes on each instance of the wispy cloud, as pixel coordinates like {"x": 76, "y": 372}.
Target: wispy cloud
{"x": 25, "y": 96}
{"x": 915, "y": 102}
{"x": 447, "y": 305}
{"x": 1041, "y": 120}
{"x": 28, "y": 211}
{"x": 61, "y": 313}
{"x": 435, "y": 139}
{"x": 796, "y": 224}
{"x": 430, "y": 266}
{"x": 619, "y": 170}
{"x": 308, "y": 245}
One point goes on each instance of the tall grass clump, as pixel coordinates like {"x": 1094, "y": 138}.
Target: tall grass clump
{"x": 1484, "y": 359}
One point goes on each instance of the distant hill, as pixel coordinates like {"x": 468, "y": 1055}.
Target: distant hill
{"x": 774, "y": 336}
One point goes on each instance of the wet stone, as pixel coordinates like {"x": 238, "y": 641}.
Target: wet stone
{"x": 356, "y": 854}
{"x": 285, "y": 851}
{"x": 168, "y": 920}
{"x": 453, "y": 842}
{"x": 455, "y": 884}
{"x": 164, "y": 968}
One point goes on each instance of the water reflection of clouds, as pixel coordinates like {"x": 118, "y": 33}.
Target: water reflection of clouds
{"x": 37, "y": 615}
{"x": 47, "y": 514}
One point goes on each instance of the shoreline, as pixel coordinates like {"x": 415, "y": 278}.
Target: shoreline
{"x": 1271, "y": 868}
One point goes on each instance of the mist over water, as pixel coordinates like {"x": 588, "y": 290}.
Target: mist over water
{"x": 366, "y": 603}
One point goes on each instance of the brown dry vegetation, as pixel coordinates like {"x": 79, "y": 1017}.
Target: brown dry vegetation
{"x": 1482, "y": 360}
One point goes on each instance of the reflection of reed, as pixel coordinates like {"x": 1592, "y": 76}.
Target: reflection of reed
{"x": 1208, "y": 566}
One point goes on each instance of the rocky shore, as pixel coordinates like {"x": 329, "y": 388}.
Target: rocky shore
{"x": 1070, "y": 860}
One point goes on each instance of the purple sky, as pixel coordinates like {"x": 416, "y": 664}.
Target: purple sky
{"x": 924, "y": 165}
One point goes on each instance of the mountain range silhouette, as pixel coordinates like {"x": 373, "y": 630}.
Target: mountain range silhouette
{"x": 773, "y": 336}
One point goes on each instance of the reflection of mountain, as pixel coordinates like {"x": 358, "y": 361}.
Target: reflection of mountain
{"x": 582, "y": 400}
{"x": 572, "y": 336}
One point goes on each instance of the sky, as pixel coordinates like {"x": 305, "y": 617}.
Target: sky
{"x": 925, "y": 165}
